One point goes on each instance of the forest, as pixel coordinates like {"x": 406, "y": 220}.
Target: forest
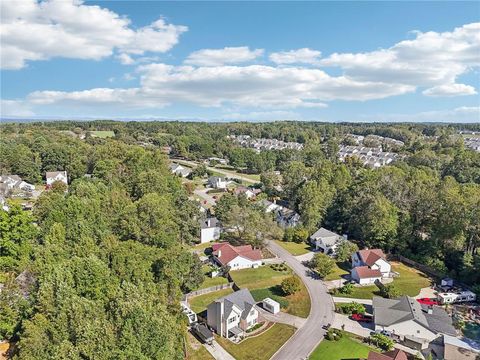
{"x": 109, "y": 259}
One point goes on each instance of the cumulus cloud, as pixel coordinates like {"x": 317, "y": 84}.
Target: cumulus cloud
{"x": 227, "y": 55}
{"x": 300, "y": 56}
{"x": 33, "y": 30}
{"x": 263, "y": 116}
{"x": 450, "y": 90}
{"x": 15, "y": 108}
{"x": 431, "y": 59}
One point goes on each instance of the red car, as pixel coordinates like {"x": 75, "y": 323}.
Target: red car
{"x": 428, "y": 301}
{"x": 361, "y": 318}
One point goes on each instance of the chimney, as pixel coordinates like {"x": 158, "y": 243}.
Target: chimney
{"x": 208, "y": 222}
{"x": 219, "y": 252}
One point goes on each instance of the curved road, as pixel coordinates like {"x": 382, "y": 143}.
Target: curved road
{"x": 304, "y": 341}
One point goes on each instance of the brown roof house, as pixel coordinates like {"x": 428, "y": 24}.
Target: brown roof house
{"x": 237, "y": 257}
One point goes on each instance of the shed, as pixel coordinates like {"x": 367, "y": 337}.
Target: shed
{"x": 271, "y": 305}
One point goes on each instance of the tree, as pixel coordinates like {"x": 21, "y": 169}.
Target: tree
{"x": 323, "y": 264}
{"x": 389, "y": 291}
{"x": 291, "y": 285}
{"x": 352, "y": 308}
{"x": 381, "y": 341}
{"x": 296, "y": 234}
{"x": 345, "y": 250}
{"x": 314, "y": 198}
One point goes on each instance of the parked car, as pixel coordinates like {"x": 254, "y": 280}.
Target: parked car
{"x": 361, "y": 318}
{"x": 385, "y": 332}
{"x": 428, "y": 301}
{"x": 326, "y": 327}
{"x": 203, "y": 332}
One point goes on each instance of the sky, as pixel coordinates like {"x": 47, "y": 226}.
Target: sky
{"x": 241, "y": 61}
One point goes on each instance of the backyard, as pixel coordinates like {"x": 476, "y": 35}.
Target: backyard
{"x": 340, "y": 270}
{"x": 265, "y": 282}
{"x": 345, "y": 348}
{"x": 102, "y": 134}
{"x": 199, "y": 303}
{"x": 261, "y": 347}
{"x": 408, "y": 283}
{"x": 295, "y": 248}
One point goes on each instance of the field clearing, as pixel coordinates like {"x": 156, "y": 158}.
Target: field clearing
{"x": 103, "y": 134}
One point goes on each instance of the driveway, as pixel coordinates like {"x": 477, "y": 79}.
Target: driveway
{"x": 202, "y": 193}
{"x": 343, "y": 322}
{"x": 282, "y": 318}
{"x": 227, "y": 173}
{"x": 305, "y": 339}
{"x": 218, "y": 352}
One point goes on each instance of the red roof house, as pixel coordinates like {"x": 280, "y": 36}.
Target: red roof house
{"x": 237, "y": 257}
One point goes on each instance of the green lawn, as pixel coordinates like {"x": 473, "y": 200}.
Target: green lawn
{"x": 259, "y": 278}
{"x": 102, "y": 134}
{"x": 195, "y": 350}
{"x": 264, "y": 282}
{"x": 261, "y": 347}
{"x": 200, "y": 303}
{"x": 409, "y": 283}
{"x": 294, "y": 248}
{"x": 345, "y": 348}
{"x": 339, "y": 270}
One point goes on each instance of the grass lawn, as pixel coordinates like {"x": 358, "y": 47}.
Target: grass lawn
{"x": 195, "y": 350}
{"x": 294, "y": 248}
{"x": 219, "y": 280}
{"x": 203, "y": 246}
{"x": 264, "y": 282}
{"x": 102, "y": 134}
{"x": 200, "y": 303}
{"x": 339, "y": 270}
{"x": 345, "y": 348}
{"x": 260, "y": 347}
{"x": 408, "y": 283}
{"x": 262, "y": 277}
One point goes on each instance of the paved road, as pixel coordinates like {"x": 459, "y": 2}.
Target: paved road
{"x": 221, "y": 171}
{"x": 306, "y": 339}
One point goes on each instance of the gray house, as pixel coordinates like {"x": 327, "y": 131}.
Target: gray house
{"x": 326, "y": 241}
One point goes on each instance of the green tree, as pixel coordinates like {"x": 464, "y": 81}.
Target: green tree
{"x": 345, "y": 250}
{"x": 323, "y": 264}
{"x": 291, "y": 285}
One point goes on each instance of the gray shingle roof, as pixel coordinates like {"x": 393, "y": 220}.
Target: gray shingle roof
{"x": 388, "y": 312}
{"x": 242, "y": 298}
{"x": 209, "y": 223}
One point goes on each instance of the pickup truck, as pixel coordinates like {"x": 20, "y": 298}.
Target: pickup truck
{"x": 361, "y": 318}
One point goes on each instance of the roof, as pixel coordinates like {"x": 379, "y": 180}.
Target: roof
{"x": 229, "y": 252}
{"x": 371, "y": 256}
{"x": 389, "y": 312}
{"x": 52, "y": 174}
{"x": 243, "y": 299}
{"x": 396, "y": 354}
{"x": 364, "y": 272}
{"x": 209, "y": 223}
{"x": 455, "y": 347}
{"x": 324, "y": 233}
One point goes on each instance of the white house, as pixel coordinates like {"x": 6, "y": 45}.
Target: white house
{"x": 406, "y": 317}
{"x": 209, "y": 230}
{"x": 248, "y": 192}
{"x": 217, "y": 182}
{"x": 456, "y": 297}
{"x": 326, "y": 241}
{"x": 374, "y": 259}
{"x": 15, "y": 182}
{"x": 269, "y": 206}
{"x": 180, "y": 170}
{"x": 53, "y": 176}
{"x": 365, "y": 276}
{"x": 237, "y": 257}
{"x": 231, "y": 315}
{"x": 287, "y": 218}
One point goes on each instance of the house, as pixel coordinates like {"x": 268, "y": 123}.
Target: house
{"x": 231, "y": 315}
{"x": 326, "y": 241}
{"x": 248, "y": 192}
{"x": 365, "y": 276}
{"x": 180, "y": 170}
{"x": 217, "y": 182}
{"x": 456, "y": 297}
{"x": 210, "y": 230}
{"x": 457, "y": 349}
{"x": 15, "y": 182}
{"x": 287, "y": 218}
{"x": 395, "y": 354}
{"x": 375, "y": 259}
{"x": 410, "y": 320}
{"x": 269, "y": 206}
{"x": 237, "y": 257}
{"x": 53, "y": 176}
{"x": 217, "y": 160}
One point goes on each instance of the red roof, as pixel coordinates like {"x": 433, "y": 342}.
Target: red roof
{"x": 371, "y": 256}
{"x": 364, "y": 272}
{"x": 229, "y": 252}
{"x": 389, "y": 355}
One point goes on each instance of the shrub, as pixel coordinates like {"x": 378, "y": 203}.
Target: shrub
{"x": 279, "y": 267}
{"x": 291, "y": 285}
{"x": 333, "y": 334}
{"x": 351, "y": 308}
{"x": 381, "y": 341}
{"x": 389, "y": 291}
{"x": 346, "y": 289}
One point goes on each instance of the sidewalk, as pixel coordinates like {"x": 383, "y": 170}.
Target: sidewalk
{"x": 349, "y": 300}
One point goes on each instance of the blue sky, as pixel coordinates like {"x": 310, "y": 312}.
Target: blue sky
{"x": 258, "y": 61}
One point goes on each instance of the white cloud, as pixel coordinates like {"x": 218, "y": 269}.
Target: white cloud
{"x": 33, "y": 30}
{"x": 300, "y": 56}
{"x": 263, "y": 116}
{"x": 450, "y": 90}
{"x": 227, "y": 55}
{"x": 431, "y": 59}
{"x": 125, "y": 59}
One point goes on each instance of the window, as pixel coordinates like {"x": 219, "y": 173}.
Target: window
{"x": 252, "y": 312}
{"x": 232, "y": 320}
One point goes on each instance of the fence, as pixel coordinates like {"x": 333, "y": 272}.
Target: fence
{"x": 424, "y": 268}
{"x": 208, "y": 290}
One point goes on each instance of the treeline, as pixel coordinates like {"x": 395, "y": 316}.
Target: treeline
{"x": 96, "y": 272}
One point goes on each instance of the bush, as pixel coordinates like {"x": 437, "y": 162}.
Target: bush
{"x": 279, "y": 267}
{"x": 389, "y": 291}
{"x": 346, "y": 289}
{"x": 351, "y": 308}
{"x": 381, "y": 341}
{"x": 333, "y": 334}
{"x": 291, "y": 285}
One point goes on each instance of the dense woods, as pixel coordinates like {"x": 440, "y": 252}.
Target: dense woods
{"x": 108, "y": 258}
